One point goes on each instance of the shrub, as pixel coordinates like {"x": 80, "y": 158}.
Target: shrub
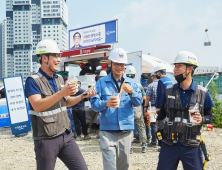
{"x": 217, "y": 109}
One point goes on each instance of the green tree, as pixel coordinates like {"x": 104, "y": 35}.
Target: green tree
{"x": 217, "y": 109}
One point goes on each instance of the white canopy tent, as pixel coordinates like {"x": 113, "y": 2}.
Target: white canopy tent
{"x": 149, "y": 62}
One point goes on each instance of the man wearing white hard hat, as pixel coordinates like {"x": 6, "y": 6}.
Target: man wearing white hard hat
{"x": 163, "y": 82}
{"x": 186, "y": 106}
{"x": 117, "y": 95}
{"x": 48, "y": 98}
{"x": 138, "y": 112}
{"x": 102, "y": 73}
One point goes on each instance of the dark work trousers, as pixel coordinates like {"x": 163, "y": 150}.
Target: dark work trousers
{"x": 79, "y": 115}
{"x": 153, "y": 132}
{"x": 191, "y": 157}
{"x": 63, "y": 147}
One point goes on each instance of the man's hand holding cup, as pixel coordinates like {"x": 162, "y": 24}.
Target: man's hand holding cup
{"x": 113, "y": 101}
{"x": 69, "y": 89}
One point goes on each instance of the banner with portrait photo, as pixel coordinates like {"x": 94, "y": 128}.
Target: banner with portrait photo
{"x": 104, "y": 33}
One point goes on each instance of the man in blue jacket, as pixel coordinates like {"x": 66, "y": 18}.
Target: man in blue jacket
{"x": 117, "y": 119}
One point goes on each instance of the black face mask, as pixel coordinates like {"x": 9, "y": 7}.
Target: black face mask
{"x": 157, "y": 76}
{"x": 180, "y": 78}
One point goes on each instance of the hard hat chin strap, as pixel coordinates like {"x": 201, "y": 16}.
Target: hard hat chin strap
{"x": 186, "y": 74}
{"x": 48, "y": 63}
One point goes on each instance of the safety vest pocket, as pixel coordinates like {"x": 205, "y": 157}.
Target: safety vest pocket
{"x": 49, "y": 124}
{"x": 106, "y": 96}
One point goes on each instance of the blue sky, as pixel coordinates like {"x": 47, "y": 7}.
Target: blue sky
{"x": 159, "y": 27}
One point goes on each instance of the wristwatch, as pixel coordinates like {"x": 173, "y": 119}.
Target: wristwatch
{"x": 146, "y": 106}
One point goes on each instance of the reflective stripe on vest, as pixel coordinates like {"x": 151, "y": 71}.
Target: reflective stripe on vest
{"x": 47, "y": 113}
{"x": 167, "y": 82}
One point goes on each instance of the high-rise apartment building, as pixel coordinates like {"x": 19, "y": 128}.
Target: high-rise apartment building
{"x": 3, "y": 50}
{"x": 28, "y": 22}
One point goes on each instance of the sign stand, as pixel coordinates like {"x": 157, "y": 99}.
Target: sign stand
{"x": 21, "y": 134}
{"x": 17, "y": 106}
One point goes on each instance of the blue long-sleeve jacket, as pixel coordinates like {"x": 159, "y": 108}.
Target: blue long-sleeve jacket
{"x": 121, "y": 118}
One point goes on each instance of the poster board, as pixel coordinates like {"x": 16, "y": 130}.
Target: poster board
{"x": 103, "y": 33}
{"x": 17, "y": 106}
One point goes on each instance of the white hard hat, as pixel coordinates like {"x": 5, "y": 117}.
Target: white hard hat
{"x": 102, "y": 73}
{"x": 186, "y": 57}
{"x": 130, "y": 70}
{"x": 47, "y": 46}
{"x": 158, "y": 68}
{"x": 118, "y": 55}
{"x": 153, "y": 73}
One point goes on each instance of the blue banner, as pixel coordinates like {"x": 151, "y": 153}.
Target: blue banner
{"x": 16, "y": 104}
{"x": 104, "y": 33}
{"x": 4, "y": 116}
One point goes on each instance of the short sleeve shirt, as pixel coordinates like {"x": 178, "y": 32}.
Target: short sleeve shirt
{"x": 152, "y": 91}
{"x": 32, "y": 88}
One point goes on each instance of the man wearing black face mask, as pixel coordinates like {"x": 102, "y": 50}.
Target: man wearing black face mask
{"x": 160, "y": 71}
{"x": 182, "y": 129}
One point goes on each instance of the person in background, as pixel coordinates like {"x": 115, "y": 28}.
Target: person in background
{"x": 181, "y": 139}
{"x": 82, "y": 66}
{"x": 2, "y": 93}
{"x": 151, "y": 95}
{"x": 117, "y": 114}
{"x": 138, "y": 113}
{"x": 78, "y": 112}
{"x": 143, "y": 81}
{"x": 87, "y": 70}
{"x": 93, "y": 113}
{"x": 69, "y": 110}
{"x": 106, "y": 68}
{"x": 163, "y": 82}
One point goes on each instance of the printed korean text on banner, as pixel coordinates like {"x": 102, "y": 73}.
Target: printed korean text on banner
{"x": 104, "y": 33}
{"x": 17, "y": 106}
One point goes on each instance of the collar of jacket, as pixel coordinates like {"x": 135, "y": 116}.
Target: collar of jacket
{"x": 109, "y": 78}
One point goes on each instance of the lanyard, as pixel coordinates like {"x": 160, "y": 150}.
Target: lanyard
{"x": 117, "y": 83}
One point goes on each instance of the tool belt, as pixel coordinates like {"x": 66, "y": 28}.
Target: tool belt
{"x": 179, "y": 136}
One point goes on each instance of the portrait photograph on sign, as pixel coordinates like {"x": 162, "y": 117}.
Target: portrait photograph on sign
{"x": 103, "y": 33}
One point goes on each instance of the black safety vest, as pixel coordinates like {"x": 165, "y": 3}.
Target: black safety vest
{"x": 178, "y": 126}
